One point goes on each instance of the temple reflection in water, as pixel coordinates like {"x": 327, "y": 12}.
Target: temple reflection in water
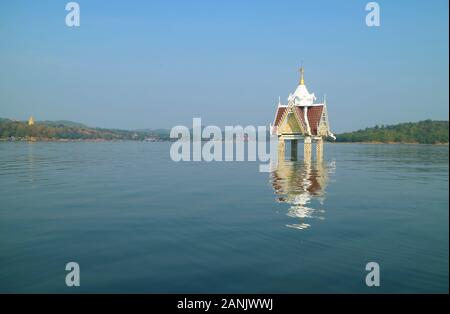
{"x": 302, "y": 185}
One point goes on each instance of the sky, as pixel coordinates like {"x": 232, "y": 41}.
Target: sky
{"x": 157, "y": 64}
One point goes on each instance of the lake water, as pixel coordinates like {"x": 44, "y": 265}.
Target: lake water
{"x": 136, "y": 221}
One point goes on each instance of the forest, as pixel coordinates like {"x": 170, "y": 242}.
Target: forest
{"x": 422, "y": 132}
{"x": 67, "y": 130}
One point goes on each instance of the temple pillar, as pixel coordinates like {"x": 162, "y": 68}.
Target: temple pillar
{"x": 281, "y": 148}
{"x": 319, "y": 149}
{"x": 307, "y": 148}
{"x": 294, "y": 146}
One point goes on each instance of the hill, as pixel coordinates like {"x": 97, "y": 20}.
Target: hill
{"x": 422, "y": 132}
{"x": 68, "y": 130}
{"x": 63, "y": 123}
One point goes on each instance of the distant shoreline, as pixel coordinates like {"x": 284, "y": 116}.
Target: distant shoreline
{"x": 423, "y": 132}
{"x": 47, "y": 140}
{"x": 391, "y": 143}
{"x": 93, "y": 140}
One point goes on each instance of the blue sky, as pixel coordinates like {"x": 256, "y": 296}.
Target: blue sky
{"x": 156, "y": 64}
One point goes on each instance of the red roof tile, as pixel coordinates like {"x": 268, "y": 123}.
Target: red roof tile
{"x": 314, "y": 115}
{"x": 279, "y": 115}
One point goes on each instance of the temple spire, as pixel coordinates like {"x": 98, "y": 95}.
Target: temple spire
{"x": 302, "y": 76}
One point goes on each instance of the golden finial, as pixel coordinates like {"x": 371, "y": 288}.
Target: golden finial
{"x": 302, "y": 76}
{"x": 31, "y": 121}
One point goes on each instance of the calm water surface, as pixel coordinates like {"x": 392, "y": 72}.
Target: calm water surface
{"x": 137, "y": 222}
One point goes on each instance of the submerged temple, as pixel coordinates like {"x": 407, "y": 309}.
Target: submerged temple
{"x": 301, "y": 119}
